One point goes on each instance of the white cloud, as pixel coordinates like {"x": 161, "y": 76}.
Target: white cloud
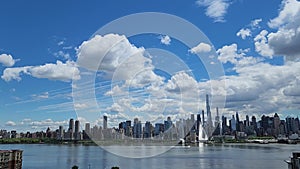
{"x": 200, "y": 48}
{"x": 44, "y": 95}
{"x": 62, "y": 54}
{"x": 235, "y": 56}
{"x": 7, "y": 60}
{"x": 215, "y": 9}
{"x": 243, "y": 33}
{"x": 288, "y": 14}
{"x": 10, "y": 123}
{"x": 255, "y": 23}
{"x": 59, "y": 71}
{"x": 261, "y": 44}
{"x": 286, "y": 41}
{"x": 118, "y": 59}
{"x": 80, "y": 105}
{"x": 166, "y": 40}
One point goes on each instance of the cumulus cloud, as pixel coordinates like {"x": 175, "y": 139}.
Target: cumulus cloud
{"x": 237, "y": 57}
{"x": 262, "y": 46}
{"x": 255, "y": 23}
{"x": 201, "y": 48}
{"x": 10, "y": 123}
{"x": 243, "y": 33}
{"x": 215, "y": 9}
{"x": 7, "y": 60}
{"x": 59, "y": 71}
{"x": 166, "y": 40}
{"x": 117, "y": 59}
{"x": 286, "y": 40}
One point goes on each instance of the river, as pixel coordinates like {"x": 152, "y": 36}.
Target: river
{"x": 226, "y": 156}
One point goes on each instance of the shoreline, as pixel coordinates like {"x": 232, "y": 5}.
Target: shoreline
{"x": 137, "y": 142}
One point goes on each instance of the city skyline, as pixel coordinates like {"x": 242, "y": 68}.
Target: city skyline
{"x": 45, "y": 55}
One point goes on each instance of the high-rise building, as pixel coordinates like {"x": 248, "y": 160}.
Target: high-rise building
{"x": 233, "y": 123}
{"x": 71, "y": 130}
{"x": 71, "y": 125}
{"x": 159, "y": 128}
{"x": 198, "y": 121}
{"x": 276, "y": 124}
{"x": 137, "y": 128}
{"x": 208, "y": 109}
{"x": 203, "y": 120}
{"x": 168, "y": 123}
{"x": 253, "y": 122}
{"x": 147, "y": 130}
{"x": 209, "y": 124}
{"x": 61, "y": 132}
{"x": 87, "y": 128}
{"x": 104, "y": 122}
{"x": 237, "y": 122}
{"x": 217, "y": 118}
{"x": 247, "y": 124}
{"x": 11, "y": 159}
{"x": 77, "y": 130}
{"x": 77, "y": 126}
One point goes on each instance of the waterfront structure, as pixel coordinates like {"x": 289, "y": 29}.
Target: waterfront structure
{"x": 11, "y": 159}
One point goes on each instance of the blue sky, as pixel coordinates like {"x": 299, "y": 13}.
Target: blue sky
{"x": 257, "y": 43}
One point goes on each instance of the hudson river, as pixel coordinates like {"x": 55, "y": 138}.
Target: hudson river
{"x": 226, "y": 156}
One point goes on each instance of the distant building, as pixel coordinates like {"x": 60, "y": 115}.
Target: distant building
{"x": 11, "y": 159}
{"x": 77, "y": 133}
{"x": 104, "y": 122}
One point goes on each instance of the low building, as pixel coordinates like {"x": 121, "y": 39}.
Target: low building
{"x": 11, "y": 159}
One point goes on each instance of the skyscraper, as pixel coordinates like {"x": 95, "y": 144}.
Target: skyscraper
{"x": 71, "y": 125}
{"x": 61, "y": 132}
{"x": 87, "y": 128}
{"x": 77, "y": 134}
{"x": 104, "y": 122}
{"x": 209, "y": 125}
{"x": 71, "y": 129}
{"x": 233, "y": 123}
{"x": 208, "y": 108}
{"x": 217, "y": 118}
{"x": 237, "y": 122}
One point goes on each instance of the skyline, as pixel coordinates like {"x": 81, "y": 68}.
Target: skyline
{"x": 40, "y": 48}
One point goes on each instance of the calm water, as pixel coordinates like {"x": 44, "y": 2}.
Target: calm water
{"x": 229, "y": 156}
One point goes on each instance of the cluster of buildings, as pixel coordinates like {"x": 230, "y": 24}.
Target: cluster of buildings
{"x": 11, "y": 159}
{"x": 196, "y": 127}
{"x": 266, "y": 126}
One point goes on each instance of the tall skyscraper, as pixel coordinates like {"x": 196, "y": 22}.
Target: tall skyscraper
{"x": 71, "y": 125}
{"x": 202, "y": 120}
{"x": 276, "y": 123}
{"x": 87, "y": 128}
{"x": 77, "y": 134}
{"x": 61, "y": 132}
{"x": 208, "y": 108}
{"x": 77, "y": 126}
{"x": 217, "y": 118}
{"x": 237, "y": 122}
{"x": 233, "y": 123}
{"x": 209, "y": 125}
{"x": 137, "y": 128}
{"x": 247, "y": 121}
{"x": 71, "y": 129}
{"x": 147, "y": 130}
{"x": 168, "y": 123}
{"x": 104, "y": 122}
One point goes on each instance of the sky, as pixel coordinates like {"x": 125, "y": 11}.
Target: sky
{"x": 58, "y": 62}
